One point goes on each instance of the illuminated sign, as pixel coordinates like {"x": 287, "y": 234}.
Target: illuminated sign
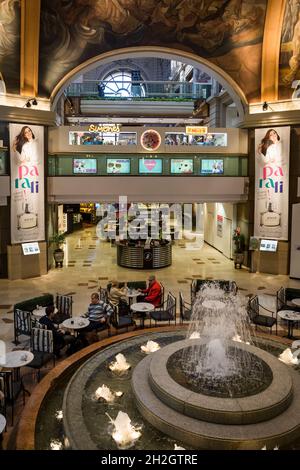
{"x": 150, "y": 140}
{"x": 105, "y": 127}
{"x": 30, "y": 248}
{"x": 196, "y": 130}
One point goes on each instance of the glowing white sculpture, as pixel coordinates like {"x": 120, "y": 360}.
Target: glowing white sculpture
{"x": 290, "y": 358}
{"x": 124, "y": 434}
{"x": 105, "y": 393}
{"x": 150, "y": 347}
{"x": 120, "y": 365}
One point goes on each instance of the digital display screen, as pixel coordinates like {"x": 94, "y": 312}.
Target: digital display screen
{"x": 118, "y": 165}
{"x": 268, "y": 245}
{"x": 30, "y": 248}
{"x": 150, "y": 165}
{"x": 181, "y": 166}
{"x": 209, "y": 167}
{"x": 84, "y": 166}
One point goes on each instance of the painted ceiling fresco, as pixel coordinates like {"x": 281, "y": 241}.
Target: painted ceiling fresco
{"x": 227, "y": 32}
{"x": 10, "y": 44}
{"x": 289, "y": 76}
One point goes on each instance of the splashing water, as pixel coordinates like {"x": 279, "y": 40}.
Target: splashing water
{"x": 120, "y": 365}
{"x": 124, "y": 434}
{"x": 106, "y": 394}
{"x": 218, "y": 366}
{"x": 150, "y": 347}
{"x": 290, "y": 358}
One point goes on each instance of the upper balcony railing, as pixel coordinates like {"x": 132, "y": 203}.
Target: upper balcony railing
{"x": 131, "y": 90}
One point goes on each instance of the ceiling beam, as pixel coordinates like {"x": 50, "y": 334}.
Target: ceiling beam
{"x": 30, "y": 36}
{"x": 271, "y": 50}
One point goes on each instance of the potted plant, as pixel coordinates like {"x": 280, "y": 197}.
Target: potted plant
{"x": 58, "y": 239}
{"x": 239, "y": 243}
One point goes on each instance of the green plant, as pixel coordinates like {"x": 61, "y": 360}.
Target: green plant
{"x": 239, "y": 241}
{"x": 58, "y": 239}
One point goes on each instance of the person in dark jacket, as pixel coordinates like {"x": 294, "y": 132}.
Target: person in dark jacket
{"x": 60, "y": 338}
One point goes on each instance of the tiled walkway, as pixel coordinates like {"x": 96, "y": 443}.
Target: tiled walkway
{"x": 90, "y": 262}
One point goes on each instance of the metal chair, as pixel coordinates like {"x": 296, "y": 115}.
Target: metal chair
{"x": 103, "y": 294}
{"x": 64, "y": 307}
{"x": 260, "y": 320}
{"x": 185, "y": 309}
{"x": 10, "y": 392}
{"x": 162, "y": 297}
{"x": 120, "y": 321}
{"x": 168, "y": 312}
{"x": 22, "y": 324}
{"x": 42, "y": 349}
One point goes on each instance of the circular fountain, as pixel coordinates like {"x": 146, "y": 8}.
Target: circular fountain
{"x": 208, "y": 389}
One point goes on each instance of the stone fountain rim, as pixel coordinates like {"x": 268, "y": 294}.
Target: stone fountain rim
{"x": 254, "y": 408}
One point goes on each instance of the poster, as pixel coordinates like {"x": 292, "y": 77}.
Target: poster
{"x": 220, "y": 226}
{"x": 27, "y": 183}
{"x": 272, "y": 183}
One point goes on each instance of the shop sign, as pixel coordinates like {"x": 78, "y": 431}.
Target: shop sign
{"x": 27, "y": 183}
{"x": 105, "y": 128}
{"x": 272, "y": 183}
{"x": 196, "y": 130}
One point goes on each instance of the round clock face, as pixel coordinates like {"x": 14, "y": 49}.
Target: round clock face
{"x": 150, "y": 140}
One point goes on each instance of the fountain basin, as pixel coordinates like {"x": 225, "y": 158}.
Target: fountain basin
{"x": 270, "y": 417}
{"x": 243, "y": 410}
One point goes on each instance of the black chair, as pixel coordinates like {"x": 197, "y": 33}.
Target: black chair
{"x": 168, "y": 312}
{"x": 284, "y": 297}
{"x": 22, "y": 324}
{"x": 120, "y": 321}
{"x": 258, "y": 319}
{"x": 162, "y": 297}
{"x": 10, "y": 390}
{"x": 42, "y": 349}
{"x": 64, "y": 306}
{"x": 185, "y": 309}
{"x": 103, "y": 294}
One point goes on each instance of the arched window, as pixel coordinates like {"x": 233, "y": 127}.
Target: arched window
{"x": 123, "y": 83}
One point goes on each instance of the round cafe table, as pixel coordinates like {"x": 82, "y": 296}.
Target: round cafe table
{"x": 142, "y": 308}
{"x": 290, "y": 316}
{"x": 132, "y": 295}
{"x": 40, "y": 312}
{"x": 75, "y": 323}
{"x": 2, "y": 428}
{"x": 15, "y": 360}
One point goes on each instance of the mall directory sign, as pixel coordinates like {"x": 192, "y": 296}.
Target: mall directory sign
{"x": 27, "y": 183}
{"x": 272, "y": 183}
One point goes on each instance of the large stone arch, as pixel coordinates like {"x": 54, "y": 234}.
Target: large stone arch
{"x": 213, "y": 70}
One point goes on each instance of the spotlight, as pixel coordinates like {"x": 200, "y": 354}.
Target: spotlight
{"x": 31, "y": 102}
{"x": 265, "y": 106}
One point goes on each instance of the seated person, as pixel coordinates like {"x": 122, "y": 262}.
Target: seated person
{"x": 60, "y": 338}
{"x": 152, "y": 294}
{"x": 98, "y": 313}
{"x": 117, "y": 297}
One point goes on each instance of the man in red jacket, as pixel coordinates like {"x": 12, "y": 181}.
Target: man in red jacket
{"x": 153, "y": 293}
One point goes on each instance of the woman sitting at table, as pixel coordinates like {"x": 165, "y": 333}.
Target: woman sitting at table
{"x": 60, "y": 338}
{"x": 117, "y": 297}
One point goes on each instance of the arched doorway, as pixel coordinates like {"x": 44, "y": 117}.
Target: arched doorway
{"x": 214, "y": 71}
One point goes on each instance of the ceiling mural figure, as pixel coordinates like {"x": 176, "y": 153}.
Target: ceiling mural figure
{"x": 228, "y": 32}
{"x": 290, "y": 50}
{"x": 10, "y": 44}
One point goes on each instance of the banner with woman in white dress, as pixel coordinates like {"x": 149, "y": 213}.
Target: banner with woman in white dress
{"x": 27, "y": 183}
{"x": 272, "y": 183}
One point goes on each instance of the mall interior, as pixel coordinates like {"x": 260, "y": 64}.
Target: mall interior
{"x": 149, "y": 146}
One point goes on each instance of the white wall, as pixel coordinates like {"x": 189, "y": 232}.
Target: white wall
{"x": 219, "y": 233}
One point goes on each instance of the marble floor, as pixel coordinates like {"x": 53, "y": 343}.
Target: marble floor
{"x": 90, "y": 262}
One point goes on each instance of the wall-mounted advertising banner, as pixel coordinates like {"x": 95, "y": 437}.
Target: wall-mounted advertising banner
{"x": 27, "y": 183}
{"x": 272, "y": 183}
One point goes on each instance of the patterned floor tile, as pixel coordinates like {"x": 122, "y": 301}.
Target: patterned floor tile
{"x": 83, "y": 284}
{"x": 5, "y": 307}
{"x": 182, "y": 282}
{"x": 7, "y": 320}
